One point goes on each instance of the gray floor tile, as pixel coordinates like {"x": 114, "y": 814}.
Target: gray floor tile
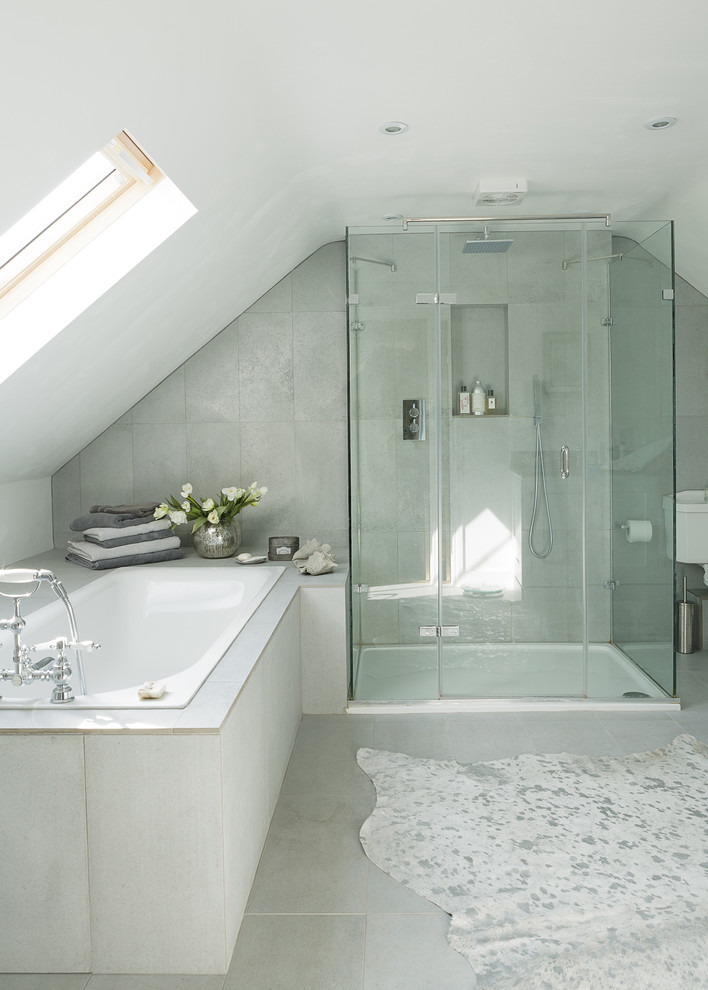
{"x": 693, "y": 722}
{"x": 586, "y": 736}
{"x": 298, "y": 952}
{"x": 313, "y": 860}
{"x": 387, "y": 896}
{"x": 489, "y": 739}
{"x": 425, "y": 736}
{"x": 411, "y": 952}
{"x": 324, "y": 756}
{"x": 638, "y": 735}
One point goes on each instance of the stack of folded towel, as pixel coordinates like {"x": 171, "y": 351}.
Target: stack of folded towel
{"x": 121, "y": 535}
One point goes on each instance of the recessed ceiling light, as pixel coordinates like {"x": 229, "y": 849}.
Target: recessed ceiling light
{"x": 392, "y": 216}
{"x": 393, "y": 127}
{"x": 660, "y": 123}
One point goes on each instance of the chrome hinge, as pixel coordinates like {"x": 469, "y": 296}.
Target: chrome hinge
{"x": 610, "y": 585}
{"x": 439, "y": 631}
{"x": 361, "y": 589}
{"x": 607, "y": 321}
{"x": 356, "y": 326}
{"x": 667, "y": 293}
{"x": 436, "y": 298}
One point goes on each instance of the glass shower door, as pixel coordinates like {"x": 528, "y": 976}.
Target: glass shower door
{"x": 514, "y": 594}
{"x": 642, "y": 449}
{"x": 394, "y": 475}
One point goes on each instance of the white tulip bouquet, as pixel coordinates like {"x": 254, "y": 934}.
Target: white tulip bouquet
{"x": 208, "y": 510}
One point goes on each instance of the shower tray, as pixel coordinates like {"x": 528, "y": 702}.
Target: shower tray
{"x": 480, "y": 676}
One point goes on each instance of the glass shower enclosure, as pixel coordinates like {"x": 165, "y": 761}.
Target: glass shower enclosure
{"x": 511, "y": 439}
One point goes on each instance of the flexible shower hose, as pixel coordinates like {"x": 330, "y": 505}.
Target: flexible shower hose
{"x": 540, "y": 474}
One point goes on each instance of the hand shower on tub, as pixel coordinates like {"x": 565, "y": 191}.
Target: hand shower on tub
{"x": 25, "y": 670}
{"x": 539, "y": 476}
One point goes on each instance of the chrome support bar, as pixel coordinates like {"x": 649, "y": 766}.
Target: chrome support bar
{"x": 603, "y": 257}
{"x": 605, "y": 217}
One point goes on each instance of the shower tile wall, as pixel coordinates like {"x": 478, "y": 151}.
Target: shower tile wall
{"x": 264, "y": 401}
{"x": 488, "y": 471}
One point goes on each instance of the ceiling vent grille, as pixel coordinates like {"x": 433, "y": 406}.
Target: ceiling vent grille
{"x": 500, "y": 192}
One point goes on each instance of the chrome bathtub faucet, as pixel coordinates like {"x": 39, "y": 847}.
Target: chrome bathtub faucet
{"x": 49, "y": 668}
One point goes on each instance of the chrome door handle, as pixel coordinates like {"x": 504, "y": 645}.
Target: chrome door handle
{"x": 565, "y": 461}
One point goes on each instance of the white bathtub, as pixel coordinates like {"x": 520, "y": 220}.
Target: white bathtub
{"x": 156, "y": 623}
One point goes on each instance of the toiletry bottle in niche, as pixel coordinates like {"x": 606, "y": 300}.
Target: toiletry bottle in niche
{"x": 479, "y": 399}
{"x": 463, "y": 401}
{"x": 491, "y": 401}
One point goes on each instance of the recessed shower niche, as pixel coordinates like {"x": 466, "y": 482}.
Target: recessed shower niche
{"x": 479, "y": 351}
{"x": 488, "y": 563}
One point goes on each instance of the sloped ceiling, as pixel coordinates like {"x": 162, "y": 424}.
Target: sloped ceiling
{"x": 265, "y": 114}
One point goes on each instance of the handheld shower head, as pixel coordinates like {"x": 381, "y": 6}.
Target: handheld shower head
{"x": 536, "y": 400}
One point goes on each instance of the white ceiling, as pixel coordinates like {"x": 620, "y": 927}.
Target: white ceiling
{"x": 266, "y": 115}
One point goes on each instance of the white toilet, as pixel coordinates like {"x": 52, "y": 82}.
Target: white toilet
{"x": 691, "y": 528}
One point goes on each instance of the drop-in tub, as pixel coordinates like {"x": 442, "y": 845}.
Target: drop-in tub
{"x": 156, "y": 623}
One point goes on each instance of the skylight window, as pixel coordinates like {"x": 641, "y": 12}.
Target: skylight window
{"x": 79, "y": 241}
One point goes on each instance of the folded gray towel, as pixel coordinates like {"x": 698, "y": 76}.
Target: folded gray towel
{"x": 99, "y": 533}
{"x": 113, "y": 520}
{"x": 138, "y": 509}
{"x": 90, "y": 551}
{"x": 121, "y": 541}
{"x": 137, "y": 558}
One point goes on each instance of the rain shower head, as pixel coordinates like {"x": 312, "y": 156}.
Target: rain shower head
{"x": 485, "y": 245}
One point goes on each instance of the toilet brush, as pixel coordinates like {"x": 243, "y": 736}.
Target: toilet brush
{"x": 685, "y": 622}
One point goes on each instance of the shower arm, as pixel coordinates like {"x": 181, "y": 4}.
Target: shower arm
{"x": 604, "y": 257}
{"x": 373, "y": 261}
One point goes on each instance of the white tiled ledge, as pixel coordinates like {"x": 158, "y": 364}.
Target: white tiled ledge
{"x": 209, "y": 708}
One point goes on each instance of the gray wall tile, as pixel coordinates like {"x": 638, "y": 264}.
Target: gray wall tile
{"x": 211, "y": 380}
{"x": 320, "y": 367}
{"x": 227, "y": 416}
{"x": 165, "y": 404}
{"x": 213, "y": 456}
{"x": 159, "y": 460}
{"x": 265, "y": 367}
{"x": 319, "y": 282}
{"x": 107, "y": 468}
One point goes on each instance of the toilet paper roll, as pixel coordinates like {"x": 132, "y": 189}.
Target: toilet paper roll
{"x": 638, "y": 531}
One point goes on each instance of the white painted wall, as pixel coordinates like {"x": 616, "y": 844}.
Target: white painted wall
{"x": 266, "y": 116}
{"x": 25, "y": 519}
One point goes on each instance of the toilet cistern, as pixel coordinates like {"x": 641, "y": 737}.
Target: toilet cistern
{"x": 691, "y": 528}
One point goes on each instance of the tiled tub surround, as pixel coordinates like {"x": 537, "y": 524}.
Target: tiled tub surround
{"x": 137, "y": 833}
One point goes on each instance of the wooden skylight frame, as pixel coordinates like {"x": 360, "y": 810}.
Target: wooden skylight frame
{"x": 130, "y": 174}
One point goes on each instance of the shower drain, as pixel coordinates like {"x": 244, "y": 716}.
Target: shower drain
{"x": 634, "y": 694}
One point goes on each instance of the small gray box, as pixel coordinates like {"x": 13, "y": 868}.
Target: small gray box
{"x": 283, "y": 547}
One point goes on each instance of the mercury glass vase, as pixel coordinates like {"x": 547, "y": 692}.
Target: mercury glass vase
{"x": 221, "y": 540}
